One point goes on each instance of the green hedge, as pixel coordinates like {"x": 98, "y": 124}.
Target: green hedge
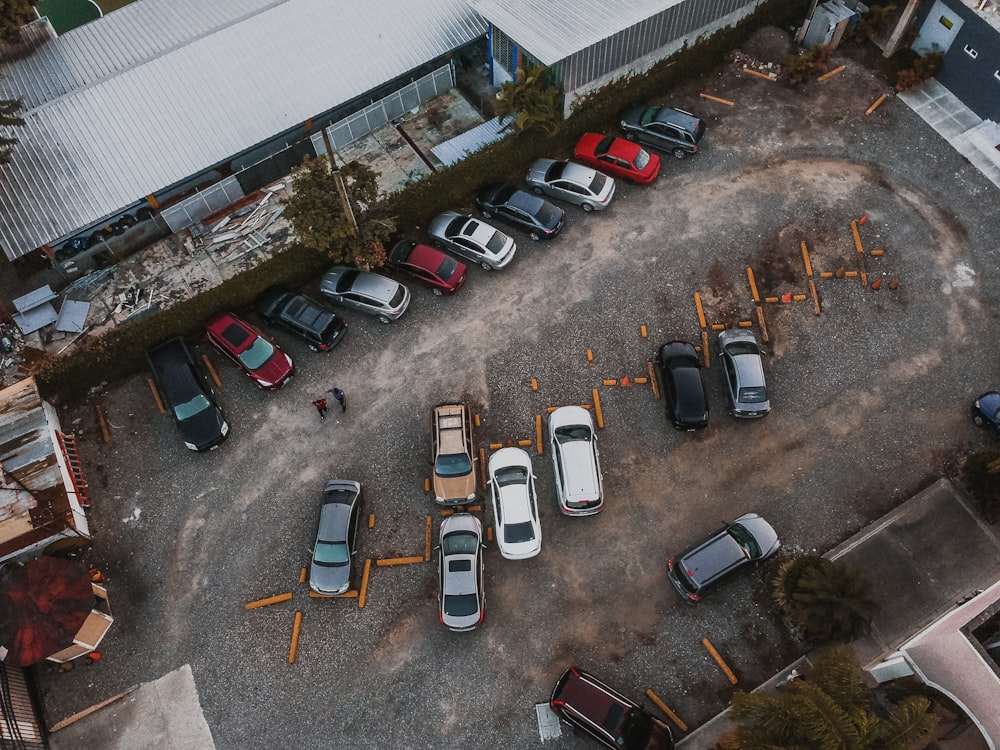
{"x": 119, "y": 353}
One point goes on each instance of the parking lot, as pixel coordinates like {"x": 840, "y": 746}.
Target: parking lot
{"x": 869, "y": 405}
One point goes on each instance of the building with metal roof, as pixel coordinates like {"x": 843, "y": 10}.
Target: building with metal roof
{"x": 591, "y": 43}
{"x": 162, "y": 96}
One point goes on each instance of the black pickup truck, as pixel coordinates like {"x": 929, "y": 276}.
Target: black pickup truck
{"x": 186, "y": 395}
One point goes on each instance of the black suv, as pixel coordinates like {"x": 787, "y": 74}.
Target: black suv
{"x": 746, "y": 541}
{"x": 322, "y": 328}
{"x": 663, "y": 128}
{"x": 607, "y": 715}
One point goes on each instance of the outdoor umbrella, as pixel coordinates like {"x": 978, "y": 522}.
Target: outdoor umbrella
{"x": 43, "y": 605}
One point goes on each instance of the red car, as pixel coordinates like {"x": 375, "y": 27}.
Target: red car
{"x": 251, "y": 350}
{"x": 617, "y": 157}
{"x": 442, "y": 273}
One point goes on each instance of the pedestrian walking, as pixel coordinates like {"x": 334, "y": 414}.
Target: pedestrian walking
{"x": 340, "y": 397}
{"x": 320, "y": 405}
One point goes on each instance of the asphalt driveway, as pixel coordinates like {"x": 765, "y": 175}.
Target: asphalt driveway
{"x": 869, "y": 405}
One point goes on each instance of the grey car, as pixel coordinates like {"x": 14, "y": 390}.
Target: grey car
{"x": 664, "y": 128}
{"x": 460, "y": 572}
{"x": 366, "y": 292}
{"x": 746, "y": 541}
{"x": 744, "y": 374}
{"x": 472, "y": 239}
{"x": 585, "y": 187}
{"x": 336, "y": 538}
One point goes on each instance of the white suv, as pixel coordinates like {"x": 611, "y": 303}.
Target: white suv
{"x": 573, "y": 446}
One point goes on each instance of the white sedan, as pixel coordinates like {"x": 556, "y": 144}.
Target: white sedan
{"x": 515, "y": 505}
{"x": 587, "y": 188}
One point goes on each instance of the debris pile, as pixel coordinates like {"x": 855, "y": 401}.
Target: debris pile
{"x": 241, "y": 227}
{"x": 745, "y": 61}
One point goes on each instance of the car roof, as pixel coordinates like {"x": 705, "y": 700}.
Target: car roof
{"x": 368, "y": 283}
{"x": 236, "y": 333}
{"x": 591, "y": 698}
{"x": 569, "y": 415}
{"x": 675, "y": 116}
{"x": 425, "y": 256}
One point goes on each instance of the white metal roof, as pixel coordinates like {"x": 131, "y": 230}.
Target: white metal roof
{"x": 552, "y": 30}
{"x": 162, "y": 89}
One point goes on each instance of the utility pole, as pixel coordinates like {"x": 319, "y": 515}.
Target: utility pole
{"x": 339, "y": 181}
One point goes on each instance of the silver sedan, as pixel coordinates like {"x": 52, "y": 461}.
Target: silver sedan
{"x": 587, "y": 188}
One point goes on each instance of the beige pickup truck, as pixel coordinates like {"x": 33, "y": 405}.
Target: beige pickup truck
{"x": 452, "y": 453}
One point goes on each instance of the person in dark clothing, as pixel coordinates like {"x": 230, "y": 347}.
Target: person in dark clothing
{"x": 340, "y": 397}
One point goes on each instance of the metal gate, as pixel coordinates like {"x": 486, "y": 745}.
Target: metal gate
{"x": 386, "y": 110}
{"x": 20, "y": 721}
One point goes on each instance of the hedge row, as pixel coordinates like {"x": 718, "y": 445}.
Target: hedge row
{"x": 119, "y": 353}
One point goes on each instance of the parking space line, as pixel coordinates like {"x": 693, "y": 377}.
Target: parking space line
{"x": 482, "y": 465}
{"x": 476, "y": 419}
{"x": 211, "y": 370}
{"x": 640, "y": 381}
{"x": 156, "y": 395}
{"x": 705, "y": 353}
{"x": 610, "y": 382}
{"x": 534, "y": 384}
{"x": 642, "y": 331}
{"x": 524, "y": 443}
{"x": 719, "y": 660}
{"x": 815, "y": 296}
{"x": 427, "y": 539}
{"x": 302, "y": 575}
{"x": 805, "y": 259}
{"x": 386, "y": 562}
{"x": 268, "y": 600}
{"x": 371, "y": 520}
{"x": 663, "y": 707}
{"x": 590, "y": 355}
{"x": 700, "y": 309}
{"x": 296, "y": 628}
{"x": 363, "y": 594}
{"x": 763, "y": 328}
{"x": 652, "y": 380}
{"x": 597, "y": 409}
{"x": 538, "y": 433}
{"x": 753, "y": 285}
{"x": 427, "y": 484}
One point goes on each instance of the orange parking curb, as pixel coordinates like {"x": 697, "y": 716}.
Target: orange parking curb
{"x": 302, "y": 575}
{"x": 269, "y": 600}
{"x": 753, "y": 285}
{"x": 363, "y": 594}
{"x": 652, "y": 381}
{"x": 105, "y": 434}
{"x": 538, "y": 433}
{"x": 296, "y": 628}
{"x": 719, "y": 660}
{"x": 156, "y": 396}
{"x": 597, "y": 409}
{"x": 427, "y": 539}
{"x": 716, "y": 99}
{"x": 399, "y": 561}
{"x": 663, "y": 707}
{"x": 211, "y": 370}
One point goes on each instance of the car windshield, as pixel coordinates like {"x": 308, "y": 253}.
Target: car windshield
{"x": 447, "y": 268}
{"x": 452, "y": 465}
{"x": 755, "y": 395}
{"x": 255, "y": 357}
{"x": 638, "y": 727}
{"x": 547, "y": 214}
{"x": 511, "y": 475}
{"x": 572, "y": 432}
{"x": 497, "y": 242}
{"x": 461, "y": 605}
{"x": 597, "y": 183}
{"x": 460, "y": 543}
{"x": 745, "y": 539}
{"x": 518, "y": 532}
{"x": 189, "y": 408}
{"x": 642, "y": 159}
{"x": 555, "y": 170}
{"x": 397, "y": 298}
{"x": 736, "y": 348}
{"x": 331, "y": 553}
{"x": 648, "y": 115}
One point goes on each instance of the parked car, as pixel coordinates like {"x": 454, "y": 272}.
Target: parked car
{"x": 186, "y": 395}
{"x": 472, "y": 239}
{"x": 664, "y": 128}
{"x": 515, "y": 504}
{"x": 262, "y": 361}
{"x": 986, "y": 410}
{"x": 336, "y": 544}
{"x": 320, "y": 326}
{"x": 536, "y": 216}
{"x": 575, "y": 458}
{"x": 428, "y": 265}
{"x": 606, "y": 715}
{"x": 366, "y": 292}
{"x": 617, "y": 157}
{"x": 683, "y": 385}
{"x": 744, "y": 542}
{"x": 585, "y": 187}
{"x": 744, "y": 374}
{"x": 462, "y": 598}
{"x": 454, "y": 479}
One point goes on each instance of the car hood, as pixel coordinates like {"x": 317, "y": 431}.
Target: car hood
{"x": 205, "y": 429}
{"x": 455, "y": 489}
{"x": 329, "y": 579}
{"x": 276, "y": 369}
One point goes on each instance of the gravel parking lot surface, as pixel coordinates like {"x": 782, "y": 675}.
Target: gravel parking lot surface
{"x": 869, "y": 404}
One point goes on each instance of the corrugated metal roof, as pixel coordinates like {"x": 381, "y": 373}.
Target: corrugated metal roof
{"x": 27, "y": 452}
{"x": 162, "y": 89}
{"x": 552, "y": 30}
{"x": 455, "y": 149}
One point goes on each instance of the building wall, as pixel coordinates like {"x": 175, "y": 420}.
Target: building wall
{"x": 971, "y": 65}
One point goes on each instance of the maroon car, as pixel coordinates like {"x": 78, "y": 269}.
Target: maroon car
{"x": 617, "y": 157}
{"x": 607, "y": 715}
{"x": 255, "y": 354}
{"x": 442, "y": 273}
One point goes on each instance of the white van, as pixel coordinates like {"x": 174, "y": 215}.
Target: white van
{"x": 573, "y": 446}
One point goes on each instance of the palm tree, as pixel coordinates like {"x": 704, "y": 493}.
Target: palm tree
{"x": 826, "y": 601}
{"x": 532, "y": 102}
{"x": 831, "y": 710}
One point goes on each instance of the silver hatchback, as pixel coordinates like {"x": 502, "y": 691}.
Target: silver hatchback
{"x": 585, "y": 187}
{"x": 366, "y": 292}
{"x": 744, "y": 373}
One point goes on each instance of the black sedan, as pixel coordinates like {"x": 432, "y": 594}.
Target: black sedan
{"x": 519, "y": 208}
{"x": 336, "y": 538}
{"x": 683, "y": 385}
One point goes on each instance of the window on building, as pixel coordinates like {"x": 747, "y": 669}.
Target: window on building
{"x": 971, "y": 52}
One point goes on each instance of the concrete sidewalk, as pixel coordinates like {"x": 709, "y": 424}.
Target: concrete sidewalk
{"x": 924, "y": 559}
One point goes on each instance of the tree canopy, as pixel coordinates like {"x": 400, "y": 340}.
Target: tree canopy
{"x": 14, "y": 14}
{"x": 532, "y": 102}
{"x": 339, "y": 213}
